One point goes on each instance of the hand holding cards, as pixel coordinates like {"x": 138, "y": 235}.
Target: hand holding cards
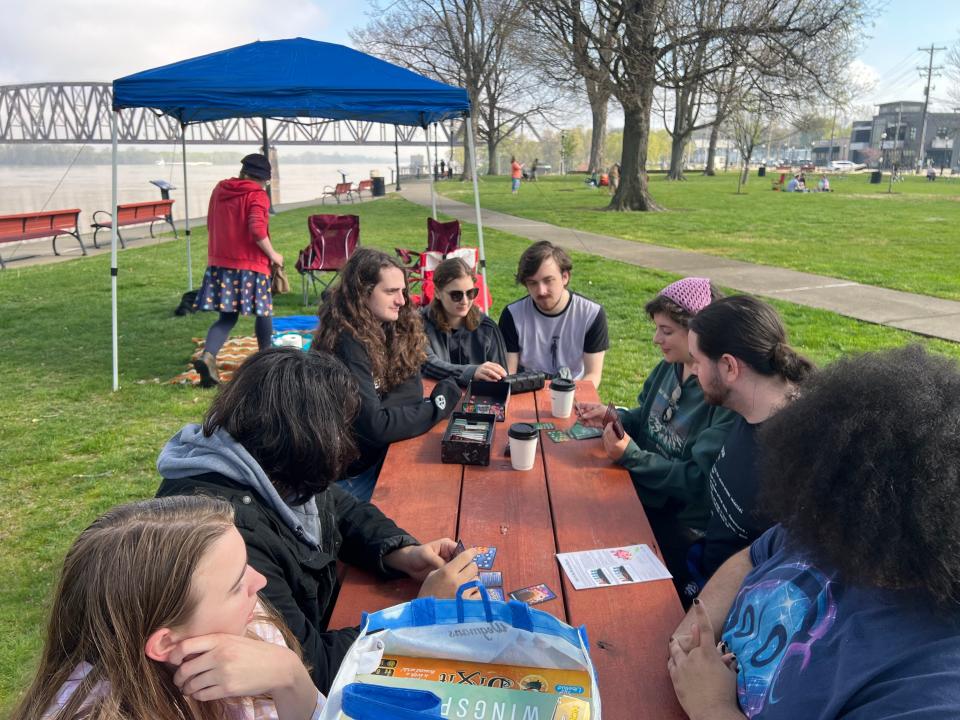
{"x": 612, "y": 416}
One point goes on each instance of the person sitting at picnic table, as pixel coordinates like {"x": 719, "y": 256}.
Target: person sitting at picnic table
{"x": 462, "y": 342}
{"x": 367, "y": 321}
{"x": 743, "y": 362}
{"x": 271, "y": 444}
{"x": 157, "y": 615}
{"x": 848, "y": 607}
{"x": 673, "y": 436}
{"x": 239, "y": 257}
{"x": 552, "y": 328}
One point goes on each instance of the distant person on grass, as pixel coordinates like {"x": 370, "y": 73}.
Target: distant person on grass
{"x": 463, "y": 343}
{"x": 272, "y": 444}
{"x": 516, "y": 174}
{"x": 368, "y": 322}
{"x": 673, "y": 436}
{"x": 848, "y": 608}
{"x": 553, "y": 329}
{"x": 239, "y": 258}
{"x": 157, "y": 615}
{"x": 742, "y": 359}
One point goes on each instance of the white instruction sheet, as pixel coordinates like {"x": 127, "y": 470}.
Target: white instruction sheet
{"x": 612, "y": 566}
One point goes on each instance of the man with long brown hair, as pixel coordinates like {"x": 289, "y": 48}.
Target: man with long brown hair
{"x": 367, "y": 321}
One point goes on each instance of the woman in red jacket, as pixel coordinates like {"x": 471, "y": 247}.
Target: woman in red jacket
{"x": 239, "y": 257}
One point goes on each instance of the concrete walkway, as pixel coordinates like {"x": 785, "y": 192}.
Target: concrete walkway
{"x": 921, "y": 314}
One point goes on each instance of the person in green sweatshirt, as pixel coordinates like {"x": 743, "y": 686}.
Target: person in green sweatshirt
{"x": 672, "y": 438}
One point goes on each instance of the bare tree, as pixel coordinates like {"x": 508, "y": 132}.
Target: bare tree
{"x": 774, "y": 36}
{"x": 953, "y": 72}
{"x": 748, "y": 124}
{"x": 469, "y": 43}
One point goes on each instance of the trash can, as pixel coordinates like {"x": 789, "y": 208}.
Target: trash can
{"x": 876, "y": 177}
{"x": 379, "y": 187}
{"x": 762, "y": 171}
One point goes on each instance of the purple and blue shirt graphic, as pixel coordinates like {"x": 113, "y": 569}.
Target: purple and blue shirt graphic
{"x": 811, "y": 647}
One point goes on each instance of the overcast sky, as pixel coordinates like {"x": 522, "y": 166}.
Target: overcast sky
{"x": 99, "y": 40}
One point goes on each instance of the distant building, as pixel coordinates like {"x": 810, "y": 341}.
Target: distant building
{"x": 900, "y": 144}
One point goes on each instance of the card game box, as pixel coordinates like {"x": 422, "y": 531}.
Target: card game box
{"x": 485, "y": 396}
{"x": 468, "y": 438}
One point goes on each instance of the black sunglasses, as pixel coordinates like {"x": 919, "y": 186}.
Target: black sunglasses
{"x": 457, "y": 295}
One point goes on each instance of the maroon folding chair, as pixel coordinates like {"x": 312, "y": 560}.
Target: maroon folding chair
{"x": 442, "y": 237}
{"x": 333, "y": 238}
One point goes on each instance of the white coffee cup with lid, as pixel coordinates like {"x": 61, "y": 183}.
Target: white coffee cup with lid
{"x": 561, "y": 397}
{"x": 523, "y": 445}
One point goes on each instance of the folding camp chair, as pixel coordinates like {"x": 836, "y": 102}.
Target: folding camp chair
{"x": 441, "y": 237}
{"x": 333, "y": 238}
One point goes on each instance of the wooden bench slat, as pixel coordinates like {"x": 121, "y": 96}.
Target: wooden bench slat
{"x": 646, "y": 613}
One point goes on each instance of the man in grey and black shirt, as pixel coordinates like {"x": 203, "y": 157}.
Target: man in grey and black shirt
{"x": 553, "y": 327}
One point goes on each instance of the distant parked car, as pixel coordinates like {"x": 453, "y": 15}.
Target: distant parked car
{"x": 845, "y": 166}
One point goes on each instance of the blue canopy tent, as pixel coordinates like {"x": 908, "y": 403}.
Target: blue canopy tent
{"x": 286, "y": 79}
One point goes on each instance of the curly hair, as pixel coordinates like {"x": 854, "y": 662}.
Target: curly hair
{"x": 292, "y": 411}
{"x": 751, "y": 331}
{"x": 446, "y": 272}
{"x": 396, "y": 349}
{"x": 863, "y": 470}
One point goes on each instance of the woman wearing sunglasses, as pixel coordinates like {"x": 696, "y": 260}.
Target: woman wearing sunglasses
{"x": 463, "y": 343}
{"x": 673, "y": 437}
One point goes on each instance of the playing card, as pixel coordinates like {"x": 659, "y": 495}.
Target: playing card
{"x": 491, "y": 579}
{"x": 559, "y": 435}
{"x": 495, "y": 593}
{"x": 612, "y": 416}
{"x": 544, "y": 426}
{"x": 579, "y": 432}
{"x": 485, "y": 556}
{"x": 460, "y": 548}
{"x": 533, "y": 595}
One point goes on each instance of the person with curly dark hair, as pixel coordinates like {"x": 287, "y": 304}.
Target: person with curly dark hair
{"x": 367, "y": 321}
{"x": 740, "y": 354}
{"x": 271, "y": 444}
{"x": 849, "y": 607}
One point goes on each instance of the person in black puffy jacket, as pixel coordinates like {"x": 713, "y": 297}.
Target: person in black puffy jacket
{"x": 367, "y": 321}
{"x": 271, "y": 444}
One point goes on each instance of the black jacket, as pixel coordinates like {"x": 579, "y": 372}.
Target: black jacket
{"x": 457, "y": 354}
{"x": 302, "y": 581}
{"x": 399, "y": 414}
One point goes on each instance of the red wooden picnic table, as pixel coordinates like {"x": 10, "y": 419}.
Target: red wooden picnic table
{"x": 573, "y": 499}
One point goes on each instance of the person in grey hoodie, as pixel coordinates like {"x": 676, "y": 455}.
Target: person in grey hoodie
{"x": 272, "y": 443}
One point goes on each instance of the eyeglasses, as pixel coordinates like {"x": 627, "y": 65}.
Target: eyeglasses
{"x": 457, "y": 295}
{"x": 672, "y": 404}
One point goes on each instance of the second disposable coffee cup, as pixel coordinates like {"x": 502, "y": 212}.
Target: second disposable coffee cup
{"x": 561, "y": 397}
{"x": 523, "y": 445}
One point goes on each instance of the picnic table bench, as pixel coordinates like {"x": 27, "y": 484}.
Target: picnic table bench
{"x": 336, "y": 192}
{"x": 42, "y": 224}
{"x": 135, "y": 214}
{"x": 573, "y": 499}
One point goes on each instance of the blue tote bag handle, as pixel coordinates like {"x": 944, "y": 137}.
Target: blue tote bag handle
{"x": 378, "y": 702}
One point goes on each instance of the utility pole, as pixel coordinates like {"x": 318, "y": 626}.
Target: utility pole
{"x": 926, "y": 97}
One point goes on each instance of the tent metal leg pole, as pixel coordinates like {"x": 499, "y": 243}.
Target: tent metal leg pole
{"x": 186, "y": 205}
{"x": 476, "y": 201}
{"x": 433, "y": 194}
{"x": 113, "y": 254}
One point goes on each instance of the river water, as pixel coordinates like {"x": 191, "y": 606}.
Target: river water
{"x": 88, "y": 187}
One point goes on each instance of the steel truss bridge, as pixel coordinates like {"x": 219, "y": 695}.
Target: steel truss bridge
{"x": 74, "y": 112}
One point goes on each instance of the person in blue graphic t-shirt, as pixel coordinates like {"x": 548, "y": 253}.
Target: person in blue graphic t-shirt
{"x": 849, "y": 607}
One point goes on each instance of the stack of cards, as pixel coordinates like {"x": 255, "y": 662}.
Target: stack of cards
{"x": 577, "y": 432}
{"x": 465, "y": 431}
{"x": 492, "y": 581}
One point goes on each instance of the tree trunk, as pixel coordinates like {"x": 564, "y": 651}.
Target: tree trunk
{"x": 599, "y": 100}
{"x": 633, "y": 193}
{"x": 710, "y": 169}
{"x": 745, "y": 173}
{"x": 678, "y": 144}
{"x": 493, "y": 162}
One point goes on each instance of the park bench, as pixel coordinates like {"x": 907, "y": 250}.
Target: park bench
{"x": 336, "y": 192}
{"x": 47, "y": 223}
{"x": 364, "y": 185}
{"x": 134, "y": 214}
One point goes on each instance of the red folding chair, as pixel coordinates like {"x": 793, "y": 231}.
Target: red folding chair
{"x": 422, "y": 276}
{"x": 442, "y": 237}
{"x": 333, "y": 238}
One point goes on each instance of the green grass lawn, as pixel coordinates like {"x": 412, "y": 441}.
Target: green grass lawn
{"x": 70, "y": 448}
{"x": 908, "y": 240}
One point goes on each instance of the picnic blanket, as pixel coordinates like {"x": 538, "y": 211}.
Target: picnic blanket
{"x": 238, "y": 349}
